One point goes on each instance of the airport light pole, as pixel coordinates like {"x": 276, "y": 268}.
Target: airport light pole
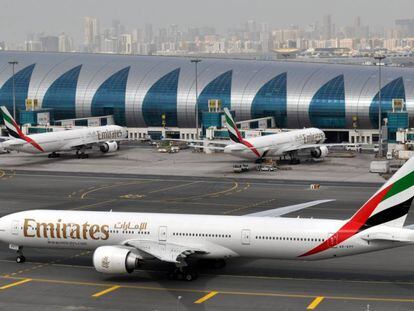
{"x": 13, "y": 63}
{"x": 379, "y": 59}
{"x": 195, "y": 62}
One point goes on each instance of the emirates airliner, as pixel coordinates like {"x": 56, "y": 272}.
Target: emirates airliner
{"x": 106, "y": 138}
{"x": 122, "y": 241}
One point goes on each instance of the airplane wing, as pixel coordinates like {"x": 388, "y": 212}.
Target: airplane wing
{"x": 206, "y": 147}
{"x": 168, "y": 252}
{"x": 201, "y": 141}
{"x": 310, "y": 146}
{"x": 13, "y": 142}
{"x": 277, "y": 212}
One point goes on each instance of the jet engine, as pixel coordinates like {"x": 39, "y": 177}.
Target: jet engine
{"x": 109, "y": 146}
{"x": 319, "y": 152}
{"x": 114, "y": 259}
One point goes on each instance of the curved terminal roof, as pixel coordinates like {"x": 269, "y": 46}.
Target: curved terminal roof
{"x": 139, "y": 90}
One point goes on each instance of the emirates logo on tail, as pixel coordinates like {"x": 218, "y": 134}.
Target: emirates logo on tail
{"x": 14, "y": 129}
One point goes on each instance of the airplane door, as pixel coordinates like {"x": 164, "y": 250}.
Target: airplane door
{"x": 245, "y": 237}
{"x": 15, "y": 227}
{"x": 162, "y": 234}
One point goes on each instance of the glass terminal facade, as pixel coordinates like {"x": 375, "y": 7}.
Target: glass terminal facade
{"x": 143, "y": 91}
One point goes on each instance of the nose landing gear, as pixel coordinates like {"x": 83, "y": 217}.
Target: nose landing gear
{"x": 20, "y": 258}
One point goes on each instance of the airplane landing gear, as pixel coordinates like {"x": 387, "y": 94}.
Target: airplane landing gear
{"x": 293, "y": 158}
{"x": 20, "y": 258}
{"x": 53, "y": 155}
{"x": 258, "y": 161}
{"x": 82, "y": 155}
{"x": 183, "y": 274}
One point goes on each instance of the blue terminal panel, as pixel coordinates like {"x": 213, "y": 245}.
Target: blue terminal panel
{"x": 161, "y": 99}
{"x": 219, "y": 88}
{"x": 110, "y": 97}
{"x": 61, "y": 95}
{"x": 393, "y": 90}
{"x": 21, "y": 82}
{"x": 270, "y": 100}
{"x": 327, "y": 107}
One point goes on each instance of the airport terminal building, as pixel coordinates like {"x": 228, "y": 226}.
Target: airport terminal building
{"x": 139, "y": 90}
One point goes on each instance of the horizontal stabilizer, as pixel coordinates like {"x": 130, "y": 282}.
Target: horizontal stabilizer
{"x": 398, "y": 236}
{"x": 277, "y": 212}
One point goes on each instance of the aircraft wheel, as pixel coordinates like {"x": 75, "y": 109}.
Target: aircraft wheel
{"x": 20, "y": 259}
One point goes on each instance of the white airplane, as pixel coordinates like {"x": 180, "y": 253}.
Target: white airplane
{"x": 106, "y": 138}
{"x": 122, "y": 241}
{"x": 307, "y": 141}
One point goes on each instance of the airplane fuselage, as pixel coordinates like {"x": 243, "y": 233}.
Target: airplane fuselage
{"x": 220, "y": 236}
{"x": 274, "y": 145}
{"x": 65, "y": 140}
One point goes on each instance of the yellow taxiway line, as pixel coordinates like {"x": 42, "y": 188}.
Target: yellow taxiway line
{"x": 315, "y": 303}
{"x": 15, "y": 283}
{"x": 106, "y": 291}
{"x": 206, "y": 297}
{"x": 201, "y": 291}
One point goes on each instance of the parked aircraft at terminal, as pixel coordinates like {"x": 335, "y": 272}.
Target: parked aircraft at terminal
{"x": 122, "y": 241}
{"x": 308, "y": 142}
{"x": 106, "y": 138}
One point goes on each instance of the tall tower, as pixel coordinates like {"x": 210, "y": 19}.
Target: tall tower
{"x": 327, "y": 27}
{"x": 91, "y": 34}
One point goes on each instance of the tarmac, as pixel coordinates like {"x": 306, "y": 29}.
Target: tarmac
{"x": 129, "y": 181}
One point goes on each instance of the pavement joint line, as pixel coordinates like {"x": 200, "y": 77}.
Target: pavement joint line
{"x": 255, "y": 181}
{"x": 174, "y": 187}
{"x": 379, "y": 282}
{"x": 106, "y": 291}
{"x": 397, "y": 282}
{"x": 197, "y": 197}
{"x": 93, "y": 204}
{"x": 315, "y": 303}
{"x": 15, "y": 283}
{"x": 225, "y": 292}
{"x": 206, "y": 297}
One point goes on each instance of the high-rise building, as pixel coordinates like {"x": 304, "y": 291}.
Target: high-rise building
{"x": 50, "y": 43}
{"x": 125, "y": 44}
{"x": 65, "y": 43}
{"x": 33, "y": 46}
{"x": 91, "y": 34}
{"x": 149, "y": 34}
{"x": 326, "y": 27}
{"x": 405, "y": 27}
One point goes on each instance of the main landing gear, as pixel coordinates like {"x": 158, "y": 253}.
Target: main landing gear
{"x": 82, "y": 155}
{"x": 53, "y": 155}
{"x": 293, "y": 158}
{"x": 183, "y": 274}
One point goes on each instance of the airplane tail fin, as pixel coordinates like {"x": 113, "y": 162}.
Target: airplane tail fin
{"x": 234, "y": 133}
{"x": 391, "y": 203}
{"x": 11, "y": 125}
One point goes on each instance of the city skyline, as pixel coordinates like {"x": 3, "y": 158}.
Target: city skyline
{"x": 54, "y": 17}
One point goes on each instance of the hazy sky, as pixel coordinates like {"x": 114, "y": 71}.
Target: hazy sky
{"x": 18, "y": 17}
